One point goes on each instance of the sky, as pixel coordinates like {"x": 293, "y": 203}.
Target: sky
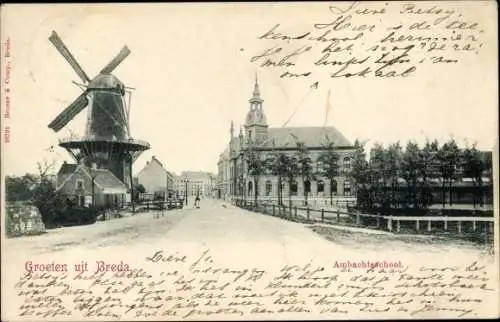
{"x": 191, "y": 73}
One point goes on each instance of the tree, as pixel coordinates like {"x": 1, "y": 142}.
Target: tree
{"x": 474, "y": 167}
{"x": 305, "y": 168}
{"x": 256, "y": 167}
{"x": 410, "y": 171}
{"x": 378, "y": 165}
{"x": 428, "y": 170}
{"x": 19, "y": 188}
{"x": 329, "y": 160}
{"x": 448, "y": 158}
{"x": 361, "y": 175}
{"x": 276, "y": 163}
{"x": 291, "y": 166}
{"x": 394, "y": 160}
{"x": 139, "y": 188}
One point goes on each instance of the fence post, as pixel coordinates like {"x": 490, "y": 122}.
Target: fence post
{"x": 389, "y": 224}
{"x": 459, "y": 227}
{"x": 429, "y": 226}
{"x": 399, "y": 225}
{"x": 445, "y": 223}
{"x": 474, "y": 225}
{"x": 338, "y": 215}
{"x": 322, "y": 215}
{"x": 357, "y": 218}
{"x": 378, "y": 221}
{"x": 307, "y": 210}
{"x": 418, "y": 225}
{"x": 295, "y": 209}
{"x": 274, "y": 211}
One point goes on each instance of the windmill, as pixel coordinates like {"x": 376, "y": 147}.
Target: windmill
{"x": 107, "y": 141}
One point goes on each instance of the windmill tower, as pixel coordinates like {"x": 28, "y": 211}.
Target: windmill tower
{"x": 107, "y": 142}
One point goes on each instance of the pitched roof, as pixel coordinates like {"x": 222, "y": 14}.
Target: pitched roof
{"x": 105, "y": 179}
{"x": 310, "y": 136}
{"x": 149, "y": 164}
{"x": 67, "y": 168}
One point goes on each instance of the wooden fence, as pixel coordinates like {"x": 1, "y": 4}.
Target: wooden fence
{"x": 406, "y": 224}
{"x": 160, "y": 205}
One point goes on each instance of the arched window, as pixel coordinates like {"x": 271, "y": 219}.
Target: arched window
{"x": 334, "y": 187}
{"x": 347, "y": 188}
{"x": 293, "y": 188}
{"x": 347, "y": 164}
{"x": 250, "y": 188}
{"x": 321, "y": 186}
{"x": 269, "y": 188}
{"x": 307, "y": 186}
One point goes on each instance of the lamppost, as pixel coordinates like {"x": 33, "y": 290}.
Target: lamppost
{"x": 186, "y": 180}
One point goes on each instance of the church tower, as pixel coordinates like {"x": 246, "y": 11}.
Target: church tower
{"x": 255, "y": 122}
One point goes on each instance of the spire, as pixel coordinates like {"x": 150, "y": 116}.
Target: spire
{"x": 232, "y": 129}
{"x": 256, "y": 94}
{"x": 256, "y": 91}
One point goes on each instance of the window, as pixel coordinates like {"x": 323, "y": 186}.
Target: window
{"x": 79, "y": 184}
{"x": 293, "y": 188}
{"x": 347, "y": 164}
{"x": 347, "y": 188}
{"x": 319, "y": 166}
{"x": 334, "y": 188}
{"x": 269, "y": 188}
{"x": 307, "y": 186}
{"x": 321, "y": 186}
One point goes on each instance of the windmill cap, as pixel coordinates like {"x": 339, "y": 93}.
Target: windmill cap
{"x": 105, "y": 81}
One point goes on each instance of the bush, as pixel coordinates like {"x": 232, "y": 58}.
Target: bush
{"x": 57, "y": 210}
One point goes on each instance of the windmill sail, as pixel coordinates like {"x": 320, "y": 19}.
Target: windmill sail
{"x": 116, "y": 61}
{"x": 69, "y": 113}
{"x": 63, "y": 50}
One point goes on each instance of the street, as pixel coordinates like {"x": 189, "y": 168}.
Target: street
{"x": 221, "y": 227}
{"x": 222, "y": 239}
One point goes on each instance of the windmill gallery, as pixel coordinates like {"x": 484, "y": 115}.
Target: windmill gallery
{"x": 102, "y": 174}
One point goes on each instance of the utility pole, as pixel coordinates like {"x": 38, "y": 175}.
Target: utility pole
{"x": 93, "y": 189}
{"x": 131, "y": 183}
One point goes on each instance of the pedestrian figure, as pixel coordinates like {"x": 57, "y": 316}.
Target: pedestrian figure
{"x": 197, "y": 201}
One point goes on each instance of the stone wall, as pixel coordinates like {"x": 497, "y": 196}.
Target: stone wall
{"x": 22, "y": 218}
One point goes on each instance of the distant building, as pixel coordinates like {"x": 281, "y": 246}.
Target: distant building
{"x": 198, "y": 182}
{"x": 84, "y": 184}
{"x": 233, "y": 179}
{"x": 155, "y": 178}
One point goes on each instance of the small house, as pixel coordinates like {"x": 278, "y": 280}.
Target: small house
{"x": 90, "y": 185}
